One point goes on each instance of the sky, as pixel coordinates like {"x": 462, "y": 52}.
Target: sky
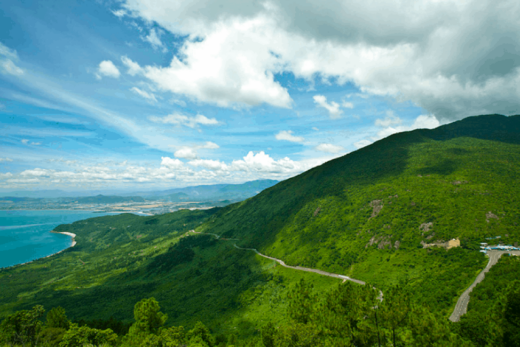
{"x": 148, "y": 94}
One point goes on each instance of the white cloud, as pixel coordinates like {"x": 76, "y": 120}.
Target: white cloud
{"x": 6, "y": 159}
{"x": 171, "y": 163}
{"x": 347, "y": 104}
{"x": 332, "y": 107}
{"x": 7, "y": 66}
{"x": 180, "y": 119}
{"x": 119, "y": 13}
{"x": 27, "y": 142}
{"x": 214, "y": 165}
{"x": 421, "y": 122}
{"x": 390, "y": 119}
{"x": 154, "y": 38}
{"x": 190, "y": 152}
{"x": 209, "y": 145}
{"x": 169, "y": 172}
{"x": 287, "y": 135}
{"x": 315, "y": 129}
{"x": 133, "y": 67}
{"x": 186, "y": 153}
{"x": 362, "y": 143}
{"x": 448, "y": 57}
{"x": 425, "y": 122}
{"x": 108, "y": 69}
{"x": 329, "y": 148}
{"x": 148, "y": 96}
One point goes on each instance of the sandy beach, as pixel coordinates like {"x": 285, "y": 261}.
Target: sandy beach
{"x": 66, "y": 233}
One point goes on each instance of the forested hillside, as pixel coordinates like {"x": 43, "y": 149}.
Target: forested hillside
{"x": 367, "y": 215}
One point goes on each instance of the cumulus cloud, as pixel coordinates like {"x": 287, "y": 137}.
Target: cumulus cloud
{"x": 449, "y": 57}
{"x": 148, "y": 96}
{"x": 287, "y": 135}
{"x": 190, "y": 152}
{"x": 7, "y": 59}
{"x": 180, "y": 119}
{"x": 108, "y": 69}
{"x": 329, "y": 148}
{"x": 170, "y": 171}
{"x": 332, "y": 107}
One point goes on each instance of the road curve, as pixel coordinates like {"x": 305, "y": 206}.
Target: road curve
{"x": 462, "y": 304}
{"x": 320, "y": 272}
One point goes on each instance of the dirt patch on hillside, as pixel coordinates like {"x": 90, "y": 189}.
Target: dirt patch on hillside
{"x": 317, "y": 211}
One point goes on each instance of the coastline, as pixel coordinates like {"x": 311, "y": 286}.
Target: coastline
{"x": 73, "y": 236}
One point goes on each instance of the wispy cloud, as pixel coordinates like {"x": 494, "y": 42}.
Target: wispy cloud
{"x": 180, "y": 119}
{"x": 148, "y": 96}
{"x": 7, "y": 58}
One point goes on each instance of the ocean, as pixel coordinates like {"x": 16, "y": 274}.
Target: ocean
{"x": 25, "y": 236}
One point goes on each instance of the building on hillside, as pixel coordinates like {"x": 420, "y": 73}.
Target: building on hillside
{"x": 453, "y": 243}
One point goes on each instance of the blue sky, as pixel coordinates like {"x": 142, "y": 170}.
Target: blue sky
{"x": 138, "y": 94}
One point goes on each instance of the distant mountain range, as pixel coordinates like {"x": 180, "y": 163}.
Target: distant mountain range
{"x": 213, "y": 192}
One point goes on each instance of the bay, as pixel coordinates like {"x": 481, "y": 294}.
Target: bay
{"x": 25, "y": 235}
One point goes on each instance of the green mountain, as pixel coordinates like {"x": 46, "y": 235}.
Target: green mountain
{"x": 367, "y": 215}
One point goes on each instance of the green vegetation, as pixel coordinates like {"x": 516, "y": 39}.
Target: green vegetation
{"x": 366, "y": 215}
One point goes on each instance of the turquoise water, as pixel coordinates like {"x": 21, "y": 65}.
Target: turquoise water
{"x": 25, "y": 236}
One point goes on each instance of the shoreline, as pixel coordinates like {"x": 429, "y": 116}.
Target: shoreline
{"x": 73, "y": 236}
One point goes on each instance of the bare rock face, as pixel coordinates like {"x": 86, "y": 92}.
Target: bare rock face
{"x": 490, "y": 215}
{"x": 429, "y": 237}
{"x": 426, "y": 226}
{"x": 377, "y": 206}
{"x": 397, "y": 244}
{"x": 385, "y": 241}
{"x": 371, "y": 242}
{"x": 317, "y": 211}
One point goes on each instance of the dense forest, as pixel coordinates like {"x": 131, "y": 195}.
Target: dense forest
{"x": 368, "y": 215}
{"x": 347, "y": 315}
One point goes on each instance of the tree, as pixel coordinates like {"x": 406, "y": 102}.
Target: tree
{"x": 78, "y": 336}
{"x": 394, "y": 310}
{"x": 22, "y": 327}
{"x": 148, "y": 317}
{"x": 56, "y": 318}
{"x": 200, "y": 334}
{"x": 512, "y": 318}
{"x": 302, "y": 302}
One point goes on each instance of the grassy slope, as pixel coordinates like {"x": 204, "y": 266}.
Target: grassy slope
{"x": 321, "y": 218}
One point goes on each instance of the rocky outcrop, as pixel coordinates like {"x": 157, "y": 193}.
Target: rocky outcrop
{"x": 491, "y": 215}
{"x": 377, "y": 206}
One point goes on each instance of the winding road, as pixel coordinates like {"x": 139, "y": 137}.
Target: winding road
{"x": 462, "y": 304}
{"x": 281, "y": 262}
